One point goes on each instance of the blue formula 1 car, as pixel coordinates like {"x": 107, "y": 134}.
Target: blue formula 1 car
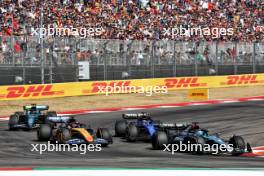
{"x": 136, "y": 127}
{"x": 189, "y": 134}
{"x": 67, "y": 130}
{"x": 32, "y": 116}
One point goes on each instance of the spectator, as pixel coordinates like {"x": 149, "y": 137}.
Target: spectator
{"x": 137, "y": 20}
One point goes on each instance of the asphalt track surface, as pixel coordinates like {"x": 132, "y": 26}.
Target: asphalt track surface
{"x": 246, "y": 119}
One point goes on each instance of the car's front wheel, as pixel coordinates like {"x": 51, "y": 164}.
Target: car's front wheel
{"x": 105, "y": 134}
{"x": 199, "y": 143}
{"x": 239, "y": 145}
{"x": 159, "y": 140}
{"x": 44, "y": 132}
{"x": 13, "y": 121}
{"x": 132, "y": 133}
{"x": 64, "y": 135}
{"x": 120, "y": 128}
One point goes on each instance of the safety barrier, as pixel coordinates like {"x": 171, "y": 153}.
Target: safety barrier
{"x": 38, "y": 91}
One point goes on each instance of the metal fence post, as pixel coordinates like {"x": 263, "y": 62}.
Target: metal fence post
{"x": 254, "y": 58}
{"x": 235, "y": 59}
{"x": 174, "y": 59}
{"x": 195, "y": 60}
{"x": 105, "y": 64}
{"x": 76, "y": 63}
{"x": 216, "y": 57}
{"x": 50, "y": 65}
{"x": 41, "y": 43}
{"x": 23, "y": 71}
{"x": 12, "y": 49}
{"x": 152, "y": 60}
{"x": 126, "y": 49}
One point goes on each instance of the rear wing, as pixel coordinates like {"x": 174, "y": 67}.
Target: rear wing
{"x": 171, "y": 125}
{"x": 62, "y": 119}
{"x": 178, "y": 126}
{"x": 142, "y": 115}
{"x": 36, "y": 107}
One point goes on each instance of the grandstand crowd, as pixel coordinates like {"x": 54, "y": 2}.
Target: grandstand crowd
{"x": 137, "y": 19}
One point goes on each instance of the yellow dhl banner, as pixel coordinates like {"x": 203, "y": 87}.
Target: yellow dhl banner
{"x": 198, "y": 94}
{"x": 38, "y": 91}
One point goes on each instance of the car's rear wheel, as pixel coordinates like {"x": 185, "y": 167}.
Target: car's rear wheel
{"x": 120, "y": 128}
{"x": 43, "y": 119}
{"x": 199, "y": 142}
{"x": 131, "y": 133}
{"x": 64, "y": 135}
{"x": 44, "y": 132}
{"x": 19, "y": 113}
{"x": 105, "y": 134}
{"x": 13, "y": 121}
{"x": 159, "y": 140}
{"x": 239, "y": 145}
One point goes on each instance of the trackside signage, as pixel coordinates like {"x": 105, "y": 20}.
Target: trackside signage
{"x": 198, "y": 94}
{"x": 242, "y": 80}
{"x": 191, "y": 82}
{"x": 98, "y": 87}
{"x": 31, "y": 91}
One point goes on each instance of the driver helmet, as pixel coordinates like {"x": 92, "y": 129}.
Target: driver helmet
{"x": 72, "y": 120}
{"x": 195, "y": 126}
{"x": 200, "y": 133}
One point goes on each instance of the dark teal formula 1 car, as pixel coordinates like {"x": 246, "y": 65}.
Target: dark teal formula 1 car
{"x": 197, "y": 140}
{"x": 32, "y": 116}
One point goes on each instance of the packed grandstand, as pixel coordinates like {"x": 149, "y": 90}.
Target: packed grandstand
{"x": 137, "y": 19}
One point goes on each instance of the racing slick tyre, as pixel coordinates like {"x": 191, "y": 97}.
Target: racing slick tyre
{"x": 44, "y": 132}
{"x": 199, "y": 141}
{"x": 131, "y": 133}
{"x": 239, "y": 145}
{"x": 19, "y": 113}
{"x": 105, "y": 134}
{"x": 43, "y": 119}
{"x": 159, "y": 140}
{"x": 64, "y": 135}
{"x": 120, "y": 128}
{"x": 52, "y": 114}
{"x": 13, "y": 121}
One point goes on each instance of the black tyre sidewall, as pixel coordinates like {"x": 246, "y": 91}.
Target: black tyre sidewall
{"x": 44, "y": 132}
{"x": 238, "y": 142}
{"x": 105, "y": 134}
{"x": 120, "y": 128}
{"x": 19, "y": 113}
{"x": 159, "y": 140}
{"x": 131, "y": 133}
{"x": 198, "y": 140}
{"x": 13, "y": 120}
{"x": 66, "y": 135}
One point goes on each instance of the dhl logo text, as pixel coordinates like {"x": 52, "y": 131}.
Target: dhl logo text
{"x": 98, "y": 86}
{"x": 31, "y": 91}
{"x": 244, "y": 79}
{"x": 183, "y": 82}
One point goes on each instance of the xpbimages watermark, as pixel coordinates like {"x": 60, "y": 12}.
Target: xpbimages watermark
{"x": 56, "y": 147}
{"x": 119, "y": 89}
{"x": 62, "y": 32}
{"x": 207, "y": 148}
{"x": 197, "y": 31}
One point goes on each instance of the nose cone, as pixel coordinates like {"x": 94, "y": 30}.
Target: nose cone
{"x": 31, "y": 120}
